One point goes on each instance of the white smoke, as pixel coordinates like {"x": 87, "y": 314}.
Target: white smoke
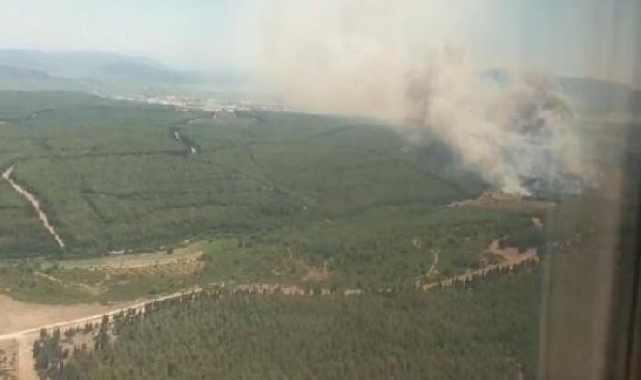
{"x": 511, "y": 130}
{"x": 361, "y": 57}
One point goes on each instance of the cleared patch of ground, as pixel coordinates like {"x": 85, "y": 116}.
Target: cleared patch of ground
{"x": 500, "y": 199}
{"x": 537, "y": 222}
{"x": 18, "y": 316}
{"x": 511, "y": 259}
{"x": 122, "y": 261}
{"x": 179, "y": 267}
{"x": 26, "y": 320}
{"x": 8, "y": 359}
{"x": 316, "y": 273}
{"x": 511, "y": 255}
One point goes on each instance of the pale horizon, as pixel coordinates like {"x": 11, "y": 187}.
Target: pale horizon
{"x": 570, "y": 38}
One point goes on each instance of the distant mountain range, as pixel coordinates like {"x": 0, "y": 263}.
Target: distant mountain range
{"x": 598, "y": 96}
{"x": 589, "y": 95}
{"x": 90, "y": 71}
{"x": 68, "y": 64}
{"x": 95, "y": 71}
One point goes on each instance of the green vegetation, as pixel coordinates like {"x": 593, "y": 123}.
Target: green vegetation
{"x": 20, "y": 230}
{"x": 25, "y": 282}
{"x": 393, "y": 247}
{"x": 388, "y": 247}
{"x": 325, "y": 246}
{"x": 278, "y": 198}
{"x": 111, "y": 175}
{"x": 487, "y": 331}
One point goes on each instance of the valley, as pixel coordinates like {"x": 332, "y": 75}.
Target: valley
{"x": 320, "y": 190}
{"x": 146, "y": 208}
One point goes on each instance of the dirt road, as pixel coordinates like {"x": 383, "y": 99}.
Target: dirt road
{"x": 512, "y": 258}
{"x": 35, "y": 204}
{"x": 20, "y": 323}
{"x": 22, "y": 332}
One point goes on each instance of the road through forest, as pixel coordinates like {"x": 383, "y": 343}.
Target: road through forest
{"x": 23, "y": 340}
{"x": 65, "y": 317}
{"x": 35, "y": 204}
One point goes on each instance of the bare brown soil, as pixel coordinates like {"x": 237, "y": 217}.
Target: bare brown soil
{"x": 20, "y": 322}
{"x": 500, "y": 199}
{"x": 315, "y": 273}
{"x": 35, "y": 204}
{"x": 141, "y": 260}
{"x": 18, "y": 316}
{"x": 511, "y": 258}
{"x": 8, "y": 359}
{"x": 178, "y": 267}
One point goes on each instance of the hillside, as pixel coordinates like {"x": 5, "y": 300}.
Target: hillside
{"x": 593, "y": 96}
{"x": 35, "y": 70}
{"x": 256, "y": 197}
{"x": 73, "y": 64}
{"x": 336, "y": 228}
{"x": 486, "y": 331}
{"x": 589, "y": 95}
{"x": 114, "y": 176}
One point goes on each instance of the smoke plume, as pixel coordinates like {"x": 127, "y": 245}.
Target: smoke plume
{"x": 515, "y": 130}
{"x": 364, "y": 58}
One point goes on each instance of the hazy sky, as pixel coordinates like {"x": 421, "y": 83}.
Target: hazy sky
{"x": 186, "y": 33}
{"x": 569, "y": 37}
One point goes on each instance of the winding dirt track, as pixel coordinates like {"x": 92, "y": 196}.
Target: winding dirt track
{"x": 35, "y": 204}
{"x": 511, "y": 259}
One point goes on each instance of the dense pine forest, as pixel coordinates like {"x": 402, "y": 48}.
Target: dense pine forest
{"x": 113, "y": 176}
{"x": 318, "y": 190}
{"x": 480, "y": 330}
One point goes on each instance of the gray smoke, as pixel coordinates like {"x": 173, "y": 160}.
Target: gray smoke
{"x": 516, "y": 131}
{"x": 360, "y": 57}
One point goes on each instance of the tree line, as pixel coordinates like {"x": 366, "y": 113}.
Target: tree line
{"x": 483, "y": 330}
